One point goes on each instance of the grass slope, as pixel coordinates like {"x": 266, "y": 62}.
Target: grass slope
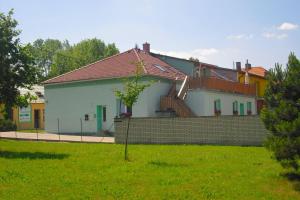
{"x": 40, "y": 170}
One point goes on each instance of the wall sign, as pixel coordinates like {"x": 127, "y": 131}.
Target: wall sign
{"x": 25, "y": 114}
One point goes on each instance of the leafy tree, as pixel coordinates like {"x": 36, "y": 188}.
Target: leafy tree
{"x": 43, "y": 52}
{"x": 83, "y": 53}
{"x": 110, "y": 50}
{"x": 16, "y": 65}
{"x": 281, "y": 114}
{"x": 132, "y": 89}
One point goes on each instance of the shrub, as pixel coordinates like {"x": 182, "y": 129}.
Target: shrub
{"x": 7, "y": 125}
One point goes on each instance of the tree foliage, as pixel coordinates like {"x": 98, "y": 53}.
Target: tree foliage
{"x": 16, "y": 65}
{"x": 53, "y": 57}
{"x": 281, "y": 114}
{"x": 43, "y": 52}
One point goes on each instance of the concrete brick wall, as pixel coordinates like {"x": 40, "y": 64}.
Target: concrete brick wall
{"x": 223, "y": 130}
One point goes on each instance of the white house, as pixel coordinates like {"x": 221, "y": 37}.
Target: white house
{"x": 86, "y": 95}
{"x": 83, "y": 100}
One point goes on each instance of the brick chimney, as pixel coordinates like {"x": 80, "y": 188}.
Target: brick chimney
{"x": 238, "y": 66}
{"x": 247, "y": 65}
{"x": 146, "y": 47}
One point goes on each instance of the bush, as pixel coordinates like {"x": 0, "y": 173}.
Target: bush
{"x": 7, "y": 125}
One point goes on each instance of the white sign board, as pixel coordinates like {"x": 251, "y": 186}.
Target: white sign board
{"x": 25, "y": 114}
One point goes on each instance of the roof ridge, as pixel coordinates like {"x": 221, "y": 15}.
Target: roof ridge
{"x": 140, "y": 60}
{"x": 85, "y": 66}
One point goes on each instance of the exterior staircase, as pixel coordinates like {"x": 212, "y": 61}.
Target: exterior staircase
{"x": 175, "y": 101}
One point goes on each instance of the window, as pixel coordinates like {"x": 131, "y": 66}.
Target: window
{"x": 123, "y": 110}
{"x": 128, "y": 109}
{"x": 249, "y": 108}
{"x": 235, "y": 109}
{"x": 104, "y": 113}
{"x": 86, "y": 117}
{"x": 197, "y": 73}
{"x": 217, "y": 107}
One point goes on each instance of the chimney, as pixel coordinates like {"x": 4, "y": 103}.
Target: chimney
{"x": 247, "y": 65}
{"x": 146, "y": 47}
{"x": 238, "y": 66}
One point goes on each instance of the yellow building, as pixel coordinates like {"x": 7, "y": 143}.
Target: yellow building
{"x": 33, "y": 116}
{"x": 254, "y": 75}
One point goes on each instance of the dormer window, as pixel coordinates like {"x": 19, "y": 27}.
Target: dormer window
{"x": 159, "y": 67}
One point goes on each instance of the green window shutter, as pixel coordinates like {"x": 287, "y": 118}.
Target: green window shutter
{"x": 249, "y": 106}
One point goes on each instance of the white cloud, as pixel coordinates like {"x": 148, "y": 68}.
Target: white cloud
{"x": 277, "y": 36}
{"x": 201, "y": 54}
{"x": 287, "y": 26}
{"x": 240, "y": 37}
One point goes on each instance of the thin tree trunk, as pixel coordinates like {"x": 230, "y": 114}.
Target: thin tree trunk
{"x": 126, "y": 141}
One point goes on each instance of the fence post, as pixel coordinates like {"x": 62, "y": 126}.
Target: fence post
{"x": 81, "y": 128}
{"x": 37, "y": 134}
{"x": 58, "y": 129}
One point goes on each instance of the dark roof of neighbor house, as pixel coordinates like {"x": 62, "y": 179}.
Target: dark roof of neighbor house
{"x": 194, "y": 62}
{"x": 257, "y": 71}
{"x": 120, "y": 65}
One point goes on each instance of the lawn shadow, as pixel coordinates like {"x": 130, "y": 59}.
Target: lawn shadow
{"x": 165, "y": 164}
{"x": 294, "y": 177}
{"x": 31, "y": 155}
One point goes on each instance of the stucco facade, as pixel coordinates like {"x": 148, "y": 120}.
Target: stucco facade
{"x": 202, "y": 102}
{"x": 37, "y": 117}
{"x": 67, "y": 103}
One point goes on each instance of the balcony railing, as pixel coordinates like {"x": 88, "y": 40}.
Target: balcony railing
{"x": 222, "y": 85}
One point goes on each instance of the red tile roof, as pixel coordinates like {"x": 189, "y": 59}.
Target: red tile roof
{"x": 258, "y": 71}
{"x": 120, "y": 65}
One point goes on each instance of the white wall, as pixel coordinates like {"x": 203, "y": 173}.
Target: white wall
{"x": 202, "y": 102}
{"x": 70, "y": 102}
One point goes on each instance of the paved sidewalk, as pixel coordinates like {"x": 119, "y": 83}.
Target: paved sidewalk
{"x": 55, "y": 137}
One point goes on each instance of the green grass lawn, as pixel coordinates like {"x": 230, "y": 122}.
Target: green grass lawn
{"x": 41, "y": 170}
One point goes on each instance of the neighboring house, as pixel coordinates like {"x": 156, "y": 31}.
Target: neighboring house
{"x": 31, "y": 117}
{"x": 83, "y": 100}
{"x": 197, "y": 69}
{"x": 254, "y": 75}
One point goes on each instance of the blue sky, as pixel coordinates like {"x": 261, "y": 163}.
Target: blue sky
{"x": 217, "y": 32}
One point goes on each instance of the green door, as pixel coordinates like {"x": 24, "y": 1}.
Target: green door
{"x": 242, "y": 109}
{"x": 99, "y": 118}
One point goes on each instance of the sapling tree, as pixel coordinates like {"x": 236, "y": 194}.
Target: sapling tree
{"x": 133, "y": 87}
